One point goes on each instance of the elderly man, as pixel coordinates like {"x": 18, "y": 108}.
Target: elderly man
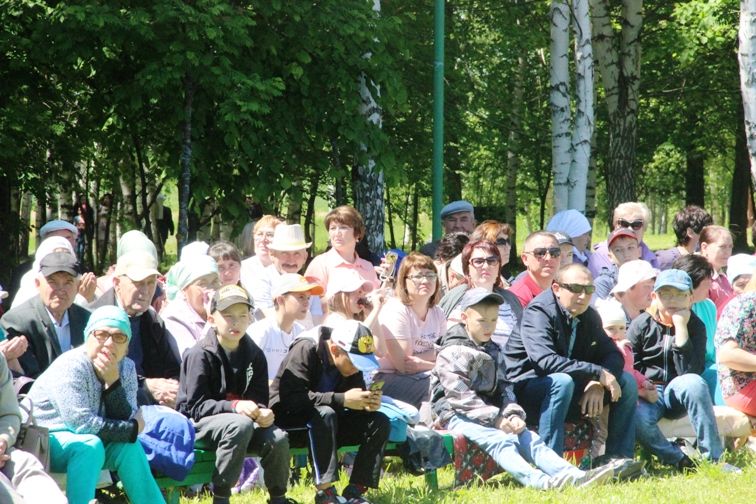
{"x": 456, "y": 216}
{"x": 541, "y": 259}
{"x": 157, "y": 362}
{"x": 564, "y": 366}
{"x": 22, "y": 477}
{"x": 630, "y": 215}
{"x": 288, "y": 251}
{"x": 50, "y": 322}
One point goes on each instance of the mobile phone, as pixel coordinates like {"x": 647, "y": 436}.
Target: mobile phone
{"x": 376, "y": 385}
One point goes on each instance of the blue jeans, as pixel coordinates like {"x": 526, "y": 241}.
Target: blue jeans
{"x": 516, "y": 454}
{"x": 551, "y": 400}
{"x": 686, "y": 394}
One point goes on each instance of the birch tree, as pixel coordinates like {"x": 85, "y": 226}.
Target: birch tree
{"x": 571, "y": 141}
{"x": 368, "y": 182}
{"x": 618, "y": 59}
{"x": 747, "y": 60}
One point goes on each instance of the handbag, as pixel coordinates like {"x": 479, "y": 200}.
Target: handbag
{"x": 33, "y": 438}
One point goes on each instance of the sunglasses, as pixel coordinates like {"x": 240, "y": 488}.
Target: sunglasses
{"x": 578, "y": 288}
{"x": 103, "y": 336}
{"x": 635, "y": 225}
{"x": 540, "y": 253}
{"x": 480, "y": 261}
{"x": 502, "y": 242}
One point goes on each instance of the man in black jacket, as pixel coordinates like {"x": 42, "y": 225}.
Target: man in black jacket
{"x": 320, "y": 386}
{"x": 157, "y": 363}
{"x": 564, "y": 366}
{"x": 224, "y": 390}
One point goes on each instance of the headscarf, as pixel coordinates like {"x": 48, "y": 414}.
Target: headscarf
{"x": 27, "y": 289}
{"x": 108, "y": 316}
{"x": 571, "y": 222}
{"x": 184, "y": 272}
{"x": 193, "y": 250}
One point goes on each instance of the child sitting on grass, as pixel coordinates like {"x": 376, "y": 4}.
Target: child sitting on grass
{"x": 470, "y": 397}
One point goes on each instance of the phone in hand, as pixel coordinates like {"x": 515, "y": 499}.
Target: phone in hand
{"x": 377, "y": 385}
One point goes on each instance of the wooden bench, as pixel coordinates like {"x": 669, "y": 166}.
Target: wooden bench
{"x": 204, "y": 465}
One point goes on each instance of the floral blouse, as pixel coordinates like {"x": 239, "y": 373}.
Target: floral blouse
{"x": 738, "y": 324}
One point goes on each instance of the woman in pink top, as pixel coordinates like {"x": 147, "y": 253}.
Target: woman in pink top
{"x": 411, "y": 324}
{"x": 345, "y": 228}
{"x": 716, "y": 247}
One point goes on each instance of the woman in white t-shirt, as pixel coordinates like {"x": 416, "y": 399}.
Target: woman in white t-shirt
{"x": 411, "y": 323}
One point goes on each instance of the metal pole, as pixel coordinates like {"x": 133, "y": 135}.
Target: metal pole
{"x": 438, "y": 117}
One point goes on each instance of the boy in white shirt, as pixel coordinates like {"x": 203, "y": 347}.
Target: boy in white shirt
{"x": 291, "y": 298}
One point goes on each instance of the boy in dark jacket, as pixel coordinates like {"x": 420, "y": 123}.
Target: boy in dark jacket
{"x": 669, "y": 343}
{"x": 471, "y": 397}
{"x": 320, "y": 387}
{"x": 224, "y": 390}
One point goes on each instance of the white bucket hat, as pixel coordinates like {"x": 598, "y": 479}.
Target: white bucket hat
{"x": 288, "y": 238}
{"x": 633, "y": 272}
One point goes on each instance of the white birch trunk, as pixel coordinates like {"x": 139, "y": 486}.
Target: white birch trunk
{"x": 584, "y": 113}
{"x": 369, "y": 186}
{"x": 561, "y": 116}
{"x": 747, "y": 60}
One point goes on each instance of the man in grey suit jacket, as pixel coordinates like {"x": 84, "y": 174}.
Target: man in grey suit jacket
{"x": 50, "y": 322}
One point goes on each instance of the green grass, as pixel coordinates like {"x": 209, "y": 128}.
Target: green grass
{"x": 708, "y": 485}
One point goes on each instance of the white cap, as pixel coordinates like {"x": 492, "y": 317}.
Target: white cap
{"x": 293, "y": 282}
{"x": 633, "y": 272}
{"x": 346, "y": 280}
{"x": 740, "y": 264}
{"x": 137, "y": 265}
{"x": 456, "y": 265}
{"x": 611, "y": 312}
{"x": 57, "y": 225}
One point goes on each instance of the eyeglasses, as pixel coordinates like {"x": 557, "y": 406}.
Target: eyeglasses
{"x": 103, "y": 336}
{"x": 423, "y": 277}
{"x": 635, "y": 225}
{"x": 540, "y": 252}
{"x": 480, "y": 261}
{"x": 673, "y": 295}
{"x": 578, "y": 288}
{"x": 503, "y": 242}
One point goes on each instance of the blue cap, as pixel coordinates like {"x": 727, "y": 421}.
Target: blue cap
{"x": 456, "y": 207}
{"x": 674, "y": 278}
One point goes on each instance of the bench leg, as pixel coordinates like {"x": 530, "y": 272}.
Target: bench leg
{"x": 431, "y": 480}
{"x": 172, "y": 495}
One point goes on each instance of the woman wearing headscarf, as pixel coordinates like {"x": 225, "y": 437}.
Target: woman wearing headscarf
{"x": 190, "y": 284}
{"x": 575, "y": 225}
{"x": 87, "y": 399}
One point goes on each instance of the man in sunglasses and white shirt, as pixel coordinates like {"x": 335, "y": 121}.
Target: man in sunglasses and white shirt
{"x": 565, "y": 367}
{"x": 630, "y": 215}
{"x": 541, "y": 259}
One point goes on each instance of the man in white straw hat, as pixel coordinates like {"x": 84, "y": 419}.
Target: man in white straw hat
{"x": 288, "y": 250}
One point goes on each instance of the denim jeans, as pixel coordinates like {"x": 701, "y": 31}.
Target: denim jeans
{"x": 516, "y": 454}
{"x": 686, "y": 394}
{"x": 551, "y": 400}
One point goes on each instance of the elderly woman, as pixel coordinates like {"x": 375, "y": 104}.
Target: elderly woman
{"x": 345, "y": 228}
{"x": 499, "y": 234}
{"x": 716, "y": 247}
{"x": 87, "y": 398}
{"x": 190, "y": 286}
{"x": 481, "y": 267}
{"x": 736, "y": 353}
{"x": 411, "y": 324}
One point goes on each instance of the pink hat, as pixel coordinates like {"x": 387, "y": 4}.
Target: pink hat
{"x": 346, "y": 281}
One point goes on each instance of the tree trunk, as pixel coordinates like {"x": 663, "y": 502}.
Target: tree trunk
{"x": 513, "y": 157}
{"x": 747, "y": 59}
{"x": 619, "y": 66}
{"x": 740, "y": 194}
{"x": 186, "y": 165}
{"x": 368, "y": 184}
{"x": 392, "y": 237}
{"x": 339, "y": 189}
{"x": 294, "y": 207}
{"x": 415, "y": 215}
{"x": 561, "y": 116}
{"x": 584, "y": 113}
{"x": 694, "y": 178}
{"x": 309, "y": 225}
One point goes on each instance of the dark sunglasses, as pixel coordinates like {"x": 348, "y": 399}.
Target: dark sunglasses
{"x": 578, "y": 288}
{"x": 635, "y": 225}
{"x": 540, "y": 253}
{"x": 480, "y": 261}
{"x": 502, "y": 242}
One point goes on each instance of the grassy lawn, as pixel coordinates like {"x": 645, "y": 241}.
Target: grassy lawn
{"x": 707, "y": 485}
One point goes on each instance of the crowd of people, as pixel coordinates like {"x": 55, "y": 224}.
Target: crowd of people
{"x": 253, "y": 355}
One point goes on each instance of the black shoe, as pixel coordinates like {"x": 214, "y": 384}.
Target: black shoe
{"x": 329, "y": 496}
{"x": 353, "y": 495}
{"x": 282, "y": 500}
{"x": 685, "y": 464}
